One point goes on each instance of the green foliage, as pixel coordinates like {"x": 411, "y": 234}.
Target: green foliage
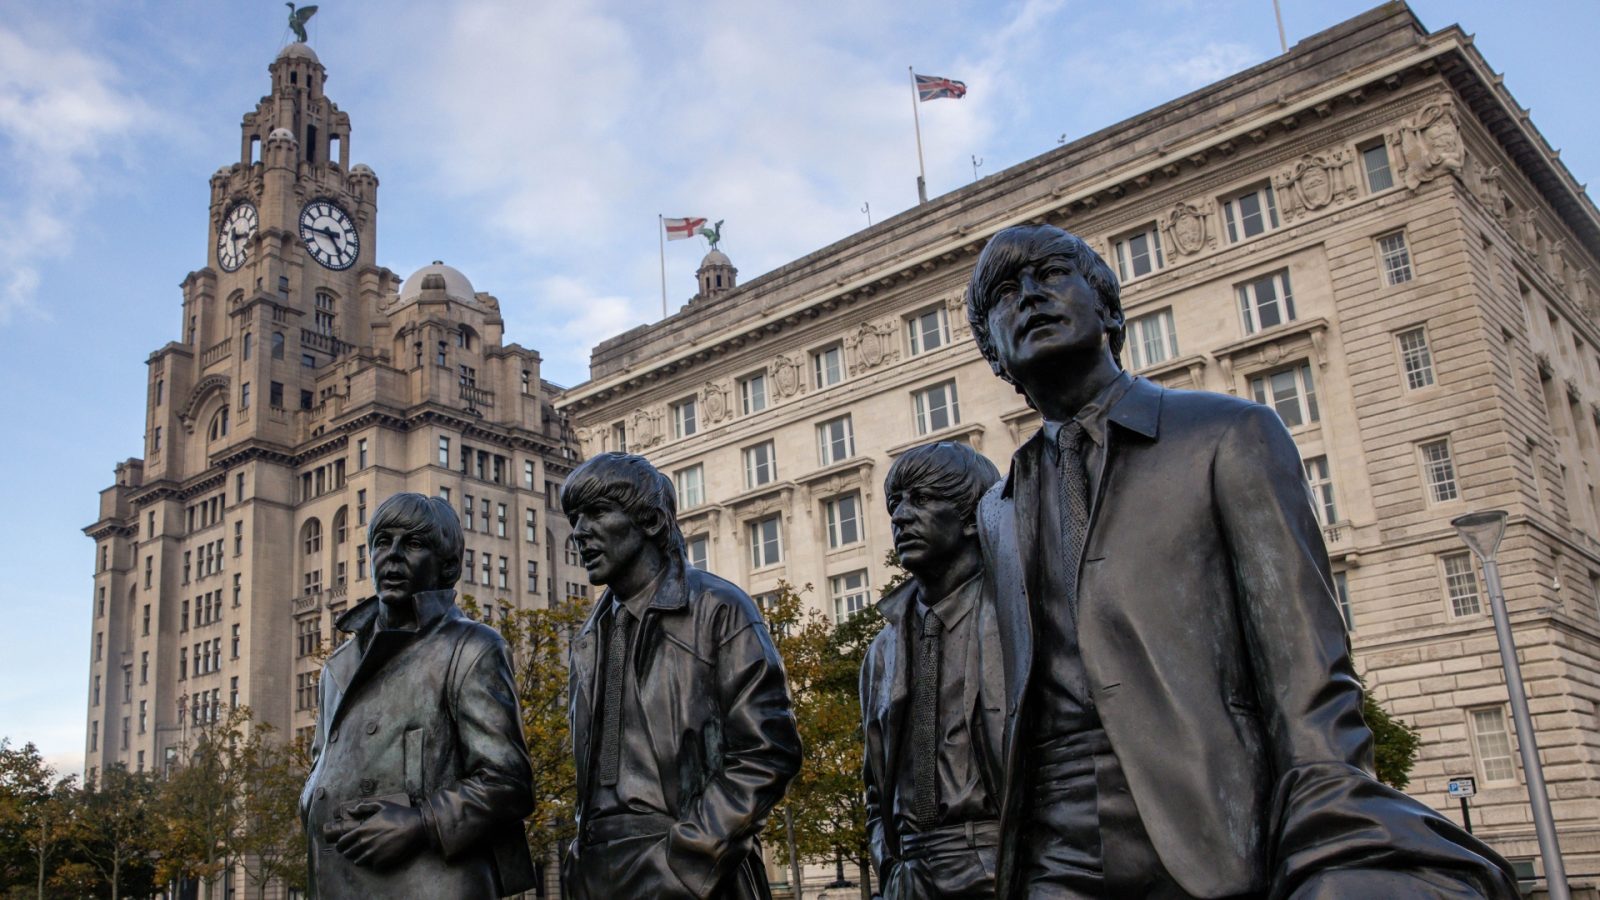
{"x": 1395, "y": 743}
{"x": 200, "y": 810}
{"x": 270, "y": 837}
{"x": 114, "y": 833}
{"x": 35, "y": 808}
{"x": 898, "y": 575}
{"x": 823, "y": 664}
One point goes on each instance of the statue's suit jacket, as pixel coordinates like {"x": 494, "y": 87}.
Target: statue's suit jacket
{"x": 720, "y": 728}
{"x": 430, "y": 717}
{"x": 1218, "y": 661}
{"x": 885, "y": 704}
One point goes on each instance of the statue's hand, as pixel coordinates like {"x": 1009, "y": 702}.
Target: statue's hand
{"x": 382, "y": 834}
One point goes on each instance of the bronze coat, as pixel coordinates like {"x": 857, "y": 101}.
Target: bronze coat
{"x": 721, "y": 730}
{"x": 1218, "y": 661}
{"x": 432, "y": 717}
{"x": 885, "y": 700}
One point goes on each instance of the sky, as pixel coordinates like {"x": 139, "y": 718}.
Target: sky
{"x": 532, "y": 145}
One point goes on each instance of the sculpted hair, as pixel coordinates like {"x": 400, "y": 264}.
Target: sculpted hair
{"x": 429, "y": 518}
{"x": 945, "y": 468}
{"x": 632, "y": 484}
{"x": 1005, "y": 255}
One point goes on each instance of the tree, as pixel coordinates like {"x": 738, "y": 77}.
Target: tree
{"x": 271, "y": 841}
{"x": 823, "y": 662}
{"x": 1394, "y": 745}
{"x": 539, "y": 641}
{"x": 111, "y": 832}
{"x": 200, "y": 812}
{"x": 35, "y": 811}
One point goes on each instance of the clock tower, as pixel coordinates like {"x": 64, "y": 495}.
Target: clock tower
{"x": 307, "y": 384}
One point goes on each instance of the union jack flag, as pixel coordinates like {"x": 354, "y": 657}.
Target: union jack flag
{"x": 932, "y": 87}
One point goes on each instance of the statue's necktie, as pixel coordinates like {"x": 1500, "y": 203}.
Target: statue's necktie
{"x": 925, "y": 723}
{"x": 1074, "y": 480}
{"x": 616, "y": 669}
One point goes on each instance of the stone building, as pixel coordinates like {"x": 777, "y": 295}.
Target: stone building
{"x": 1367, "y": 233}
{"x": 307, "y": 385}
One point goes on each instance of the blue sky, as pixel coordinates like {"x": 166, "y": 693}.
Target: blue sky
{"x": 532, "y": 145}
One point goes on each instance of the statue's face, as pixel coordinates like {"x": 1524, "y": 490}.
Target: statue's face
{"x": 403, "y": 564}
{"x": 1042, "y": 312}
{"x": 928, "y": 528}
{"x": 609, "y": 541}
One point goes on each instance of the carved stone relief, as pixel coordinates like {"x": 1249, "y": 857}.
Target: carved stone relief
{"x": 1315, "y": 181}
{"x": 1188, "y": 228}
{"x": 644, "y": 429}
{"x": 788, "y": 374}
{"x": 872, "y": 346}
{"x": 716, "y": 403}
{"x": 956, "y": 307}
{"x": 1428, "y": 144}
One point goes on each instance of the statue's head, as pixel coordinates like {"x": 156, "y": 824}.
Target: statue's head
{"x": 932, "y": 492}
{"x": 1038, "y": 291}
{"x": 623, "y": 511}
{"x": 415, "y": 543}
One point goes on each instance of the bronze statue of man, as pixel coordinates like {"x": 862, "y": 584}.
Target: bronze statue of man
{"x": 1182, "y": 715}
{"x": 930, "y": 707}
{"x": 420, "y": 776}
{"x": 682, "y": 726}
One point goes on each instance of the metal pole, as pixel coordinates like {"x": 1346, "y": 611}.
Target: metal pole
{"x": 916, "y": 118}
{"x": 1466, "y": 816}
{"x": 1555, "y": 873}
{"x": 794, "y": 861}
{"x": 661, "y": 238}
{"x": 1283, "y": 41}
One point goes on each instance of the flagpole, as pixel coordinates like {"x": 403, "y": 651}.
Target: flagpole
{"x": 916, "y": 118}
{"x": 661, "y": 238}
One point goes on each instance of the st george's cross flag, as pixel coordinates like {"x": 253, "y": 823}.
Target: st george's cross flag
{"x": 932, "y": 87}
{"x": 682, "y": 229}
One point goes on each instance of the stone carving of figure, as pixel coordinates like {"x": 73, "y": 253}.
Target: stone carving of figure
{"x": 1428, "y": 144}
{"x": 682, "y": 725}
{"x": 420, "y": 776}
{"x": 1173, "y": 660}
{"x": 931, "y": 701}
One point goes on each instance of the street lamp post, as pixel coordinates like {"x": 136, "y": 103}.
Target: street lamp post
{"x": 1482, "y": 532}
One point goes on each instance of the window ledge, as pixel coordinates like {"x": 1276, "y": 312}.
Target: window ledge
{"x": 1315, "y": 327}
{"x": 972, "y": 433}
{"x": 1194, "y": 363}
{"x": 854, "y": 468}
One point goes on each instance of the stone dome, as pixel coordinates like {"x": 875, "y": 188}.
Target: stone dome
{"x": 361, "y": 169}
{"x": 282, "y": 134}
{"x": 456, "y": 285}
{"x": 716, "y": 258}
{"x": 299, "y": 51}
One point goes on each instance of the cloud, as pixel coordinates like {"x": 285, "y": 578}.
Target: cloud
{"x": 61, "y": 110}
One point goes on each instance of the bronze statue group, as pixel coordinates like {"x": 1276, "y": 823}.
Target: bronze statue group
{"x": 1118, "y": 671}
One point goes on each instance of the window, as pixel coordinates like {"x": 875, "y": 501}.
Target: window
{"x": 1251, "y": 213}
{"x": 439, "y": 357}
{"x": 1375, "y": 161}
{"x": 827, "y": 366}
{"x": 527, "y": 474}
{"x": 691, "y": 485}
{"x": 1461, "y": 585}
{"x": 361, "y": 562}
{"x": 936, "y": 407}
{"x": 1266, "y": 302}
{"x": 698, "y": 549}
{"x": 361, "y": 507}
{"x": 218, "y": 429}
{"x": 467, "y": 519}
{"x": 144, "y": 666}
{"x": 836, "y": 441}
{"x": 928, "y": 330}
{"x": 760, "y": 466}
{"x": 1415, "y": 359}
{"x": 313, "y": 538}
{"x": 485, "y": 569}
{"x": 97, "y": 690}
{"x": 275, "y": 395}
{"x": 146, "y": 627}
{"x": 468, "y": 560}
{"x": 570, "y": 555}
{"x": 1492, "y": 742}
{"x": 94, "y": 735}
{"x": 161, "y": 383}
{"x": 1139, "y": 254}
{"x": 504, "y": 573}
{"x": 306, "y": 401}
{"x": 324, "y": 313}
{"x": 850, "y": 594}
{"x": 244, "y": 395}
{"x": 234, "y": 640}
{"x": 237, "y": 589}
{"x": 468, "y": 376}
{"x": 530, "y": 525}
{"x": 684, "y": 422}
{"x": 1396, "y": 258}
{"x": 619, "y": 437}
{"x": 1290, "y": 392}
{"x": 361, "y": 453}
{"x": 277, "y": 345}
{"x": 533, "y": 577}
{"x": 149, "y": 570}
{"x": 1321, "y": 490}
{"x": 308, "y": 361}
{"x": 249, "y": 341}
{"x": 527, "y": 384}
{"x": 753, "y": 393}
{"x": 500, "y": 520}
{"x": 305, "y": 690}
{"x": 1439, "y": 471}
{"x": 1151, "y": 339}
{"x": 766, "y": 547}
{"x": 844, "y": 520}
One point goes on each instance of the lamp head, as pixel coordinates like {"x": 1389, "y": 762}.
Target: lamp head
{"x": 1482, "y": 531}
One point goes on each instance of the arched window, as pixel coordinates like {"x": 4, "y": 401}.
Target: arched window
{"x": 249, "y": 342}
{"x": 277, "y": 345}
{"x": 311, "y": 536}
{"x": 324, "y": 313}
{"x": 339, "y": 526}
{"x": 572, "y": 556}
{"x": 219, "y": 425}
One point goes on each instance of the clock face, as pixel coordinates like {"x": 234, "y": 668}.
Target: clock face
{"x": 234, "y": 237}
{"x": 329, "y": 234}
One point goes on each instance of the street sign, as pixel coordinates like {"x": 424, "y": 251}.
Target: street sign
{"x": 1462, "y": 788}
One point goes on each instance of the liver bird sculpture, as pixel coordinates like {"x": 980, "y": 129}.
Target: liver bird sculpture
{"x": 298, "y": 18}
{"x": 713, "y": 234}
